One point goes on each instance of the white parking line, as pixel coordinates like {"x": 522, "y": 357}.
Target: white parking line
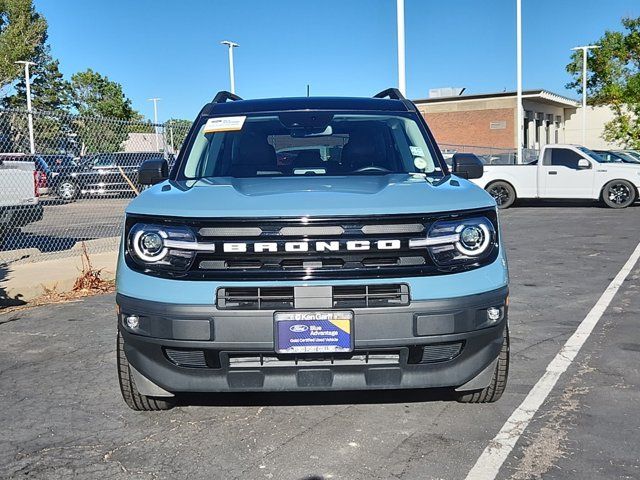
{"x": 492, "y": 458}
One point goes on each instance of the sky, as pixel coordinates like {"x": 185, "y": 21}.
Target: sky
{"x": 171, "y": 50}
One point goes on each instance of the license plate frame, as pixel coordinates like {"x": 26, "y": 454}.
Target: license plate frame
{"x": 313, "y": 332}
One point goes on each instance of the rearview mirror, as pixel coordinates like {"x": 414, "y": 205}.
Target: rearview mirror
{"x": 153, "y": 171}
{"x": 584, "y": 164}
{"x": 467, "y": 165}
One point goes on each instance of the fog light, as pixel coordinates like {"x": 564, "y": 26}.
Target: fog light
{"x": 132, "y": 321}
{"x": 494, "y": 314}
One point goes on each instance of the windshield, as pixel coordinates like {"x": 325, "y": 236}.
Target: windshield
{"x": 309, "y": 143}
{"x": 629, "y": 157}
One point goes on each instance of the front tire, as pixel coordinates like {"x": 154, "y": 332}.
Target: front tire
{"x": 494, "y": 391}
{"x": 134, "y": 399}
{"x": 503, "y": 193}
{"x": 67, "y": 190}
{"x": 618, "y": 194}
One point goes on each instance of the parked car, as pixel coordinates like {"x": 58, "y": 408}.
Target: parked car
{"x": 632, "y": 153}
{"x": 102, "y": 174}
{"x": 617, "y": 156}
{"x": 564, "y": 171}
{"x": 42, "y": 172}
{"x": 370, "y": 269}
{"x": 19, "y": 205}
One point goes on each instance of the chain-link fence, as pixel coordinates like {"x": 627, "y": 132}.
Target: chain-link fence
{"x": 66, "y": 181}
{"x": 490, "y": 155}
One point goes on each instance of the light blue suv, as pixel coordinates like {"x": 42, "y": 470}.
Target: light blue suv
{"x": 311, "y": 244}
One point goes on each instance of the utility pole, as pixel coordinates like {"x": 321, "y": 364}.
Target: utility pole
{"x": 27, "y": 81}
{"x": 402, "y": 79}
{"x": 155, "y": 119}
{"x": 585, "y": 51}
{"x": 520, "y": 114}
{"x": 231, "y": 46}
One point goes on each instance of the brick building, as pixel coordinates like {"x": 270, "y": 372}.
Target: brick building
{"x": 488, "y": 120}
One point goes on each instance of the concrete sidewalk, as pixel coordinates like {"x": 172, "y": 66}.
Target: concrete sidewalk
{"x": 26, "y": 281}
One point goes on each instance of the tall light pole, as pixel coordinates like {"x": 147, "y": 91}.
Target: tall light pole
{"x": 402, "y": 79}
{"x": 519, "y": 115}
{"x": 155, "y": 119}
{"x": 231, "y": 46}
{"x": 27, "y": 81}
{"x": 585, "y": 50}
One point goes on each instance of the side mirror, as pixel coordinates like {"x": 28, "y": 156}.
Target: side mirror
{"x": 153, "y": 171}
{"x": 467, "y": 165}
{"x": 584, "y": 164}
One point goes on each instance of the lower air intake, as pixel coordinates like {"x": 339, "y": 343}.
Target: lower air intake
{"x": 187, "y": 358}
{"x": 440, "y": 353}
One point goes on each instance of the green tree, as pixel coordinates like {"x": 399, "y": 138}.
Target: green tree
{"x": 22, "y": 32}
{"x": 176, "y": 131}
{"x": 106, "y": 116}
{"x": 614, "y": 80}
{"x": 94, "y": 94}
{"x": 49, "y": 90}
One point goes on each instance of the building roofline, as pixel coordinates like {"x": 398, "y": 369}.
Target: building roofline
{"x": 540, "y": 93}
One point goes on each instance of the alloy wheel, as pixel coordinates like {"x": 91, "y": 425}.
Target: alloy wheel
{"x": 500, "y": 194}
{"x": 619, "y": 193}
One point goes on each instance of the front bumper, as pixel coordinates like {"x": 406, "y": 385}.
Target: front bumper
{"x": 426, "y": 344}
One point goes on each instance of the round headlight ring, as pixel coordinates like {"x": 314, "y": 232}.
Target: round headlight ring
{"x": 475, "y": 239}
{"x": 148, "y": 245}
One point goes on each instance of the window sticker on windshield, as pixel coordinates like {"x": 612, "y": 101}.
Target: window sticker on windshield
{"x": 224, "y": 124}
{"x": 416, "y": 151}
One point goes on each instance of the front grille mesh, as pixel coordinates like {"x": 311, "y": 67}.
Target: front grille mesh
{"x": 363, "y": 296}
{"x": 255, "y": 298}
{"x": 344, "y": 296}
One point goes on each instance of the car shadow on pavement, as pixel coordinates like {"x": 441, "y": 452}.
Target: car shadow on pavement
{"x": 563, "y": 203}
{"x": 19, "y": 240}
{"x": 252, "y": 399}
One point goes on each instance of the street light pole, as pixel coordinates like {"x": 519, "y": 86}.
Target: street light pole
{"x": 519, "y": 115}
{"x": 402, "y": 79}
{"x": 231, "y": 46}
{"x": 155, "y": 119}
{"x": 585, "y": 50}
{"x": 27, "y": 80}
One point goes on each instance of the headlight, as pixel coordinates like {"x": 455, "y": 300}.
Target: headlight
{"x": 164, "y": 247}
{"x": 455, "y": 242}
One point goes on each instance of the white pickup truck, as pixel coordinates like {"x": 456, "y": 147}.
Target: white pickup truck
{"x": 564, "y": 172}
{"x": 19, "y": 203}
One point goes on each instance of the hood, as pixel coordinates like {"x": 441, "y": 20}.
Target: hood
{"x": 310, "y": 196}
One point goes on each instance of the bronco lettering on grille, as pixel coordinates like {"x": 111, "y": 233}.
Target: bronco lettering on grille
{"x": 305, "y": 246}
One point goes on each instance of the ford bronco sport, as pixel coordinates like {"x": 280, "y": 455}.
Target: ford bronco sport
{"x": 311, "y": 244}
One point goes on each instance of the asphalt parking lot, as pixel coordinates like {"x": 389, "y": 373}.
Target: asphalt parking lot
{"x": 62, "y": 415}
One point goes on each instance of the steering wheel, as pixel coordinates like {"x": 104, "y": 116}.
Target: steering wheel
{"x": 372, "y": 168}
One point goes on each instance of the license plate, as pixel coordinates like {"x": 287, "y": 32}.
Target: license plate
{"x": 314, "y": 332}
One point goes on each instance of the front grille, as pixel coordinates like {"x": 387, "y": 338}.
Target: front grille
{"x": 344, "y": 296}
{"x": 255, "y": 298}
{"x": 311, "y": 248}
{"x": 187, "y": 358}
{"x": 363, "y": 296}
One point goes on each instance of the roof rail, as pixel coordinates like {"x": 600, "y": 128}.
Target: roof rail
{"x": 395, "y": 94}
{"x": 223, "y": 96}
{"x": 392, "y": 93}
